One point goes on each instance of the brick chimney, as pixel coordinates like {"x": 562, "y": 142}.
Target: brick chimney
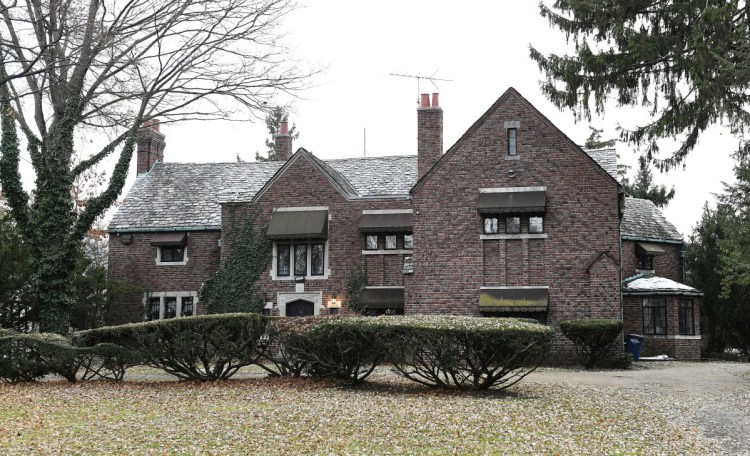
{"x": 151, "y": 146}
{"x": 282, "y": 148}
{"x": 429, "y": 133}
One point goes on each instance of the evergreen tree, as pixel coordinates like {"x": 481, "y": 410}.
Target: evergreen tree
{"x": 687, "y": 60}
{"x": 273, "y": 119}
{"x": 595, "y": 141}
{"x": 643, "y": 186}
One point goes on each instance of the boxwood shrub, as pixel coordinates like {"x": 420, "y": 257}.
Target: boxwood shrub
{"x": 27, "y": 357}
{"x": 207, "y": 347}
{"x": 592, "y": 338}
{"x": 464, "y": 352}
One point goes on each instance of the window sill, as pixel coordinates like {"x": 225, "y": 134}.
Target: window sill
{"x": 489, "y": 237}
{"x": 644, "y": 271}
{"x": 670, "y": 337}
{"x": 512, "y": 157}
{"x": 292, "y": 278}
{"x": 388, "y": 252}
{"x": 171, "y": 263}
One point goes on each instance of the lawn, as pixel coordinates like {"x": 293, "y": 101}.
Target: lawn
{"x": 294, "y": 416}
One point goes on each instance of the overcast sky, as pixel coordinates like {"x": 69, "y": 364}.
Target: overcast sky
{"x": 481, "y": 46}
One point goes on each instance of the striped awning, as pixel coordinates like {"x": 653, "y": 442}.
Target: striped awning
{"x": 520, "y": 201}
{"x": 173, "y": 239}
{"x": 382, "y": 297}
{"x": 311, "y": 224}
{"x": 513, "y": 299}
{"x": 379, "y": 223}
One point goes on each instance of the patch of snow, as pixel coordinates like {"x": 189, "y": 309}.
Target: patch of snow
{"x": 657, "y": 283}
{"x": 655, "y": 358}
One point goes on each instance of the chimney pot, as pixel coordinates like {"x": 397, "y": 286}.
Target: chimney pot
{"x": 284, "y": 127}
{"x": 425, "y": 101}
{"x": 435, "y": 101}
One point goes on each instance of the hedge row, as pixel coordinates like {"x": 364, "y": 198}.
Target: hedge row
{"x": 27, "y": 357}
{"x": 438, "y": 351}
{"x": 593, "y": 339}
{"x": 208, "y": 347}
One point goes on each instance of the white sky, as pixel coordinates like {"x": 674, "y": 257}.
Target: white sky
{"x": 481, "y": 46}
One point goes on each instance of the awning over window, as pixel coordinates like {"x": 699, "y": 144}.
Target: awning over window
{"x": 513, "y": 299}
{"x": 311, "y": 224}
{"x": 169, "y": 239}
{"x": 512, "y": 201}
{"x": 648, "y": 248}
{"x": 382, "y": 297}
{"x": 372, "y": 223}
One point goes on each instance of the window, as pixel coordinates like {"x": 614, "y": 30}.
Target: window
{"x": 282, "y": 259}
{"x": 655, "y": 316}
{"x": 513, "y": 225}
{"x": 490, "y": 225}
{"x": 685, "y": 313}
{"x": 317, "y": 261}
{"x": 188, "y": 310}
{"x": 154, "y": 309}
{"x": 371, "y": 242}
{"x": 645, "y": 262}
{"x": 390, "y": 242}
{"x": 300, "y": 259}
{"x": 512, "y": 150}
{"x": 172, "y": 254}
{"x": 408, "y": 241}
{"x": 536, "y": 224}
{"x": 171, "y": 305}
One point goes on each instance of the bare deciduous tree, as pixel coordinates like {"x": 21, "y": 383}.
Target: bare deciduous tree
{"x": 110, "y": 65}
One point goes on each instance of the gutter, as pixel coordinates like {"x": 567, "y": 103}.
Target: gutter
{"x": 162, "y": 230}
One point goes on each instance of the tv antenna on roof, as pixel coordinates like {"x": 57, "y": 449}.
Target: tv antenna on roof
{"x": 432, "y": 79}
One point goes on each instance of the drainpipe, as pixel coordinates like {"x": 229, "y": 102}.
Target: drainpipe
{"x": 682, "y": 262}
{"x": 621, "y": 210}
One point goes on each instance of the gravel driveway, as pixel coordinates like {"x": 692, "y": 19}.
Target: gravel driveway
{"x": 711, "y": 397}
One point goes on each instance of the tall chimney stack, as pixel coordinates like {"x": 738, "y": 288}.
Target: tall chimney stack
{"x": 429, "y": 133}
{"x": 282, "y": 147}
{"x": 151, "y": 144}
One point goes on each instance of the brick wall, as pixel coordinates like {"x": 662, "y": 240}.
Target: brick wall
{"x": 581, "y": 222}
{"x": 672, "y": 344}
{"x": 668, "y": 265}
{"x": 303, "y": 185}
{"x": 136, "y": 263}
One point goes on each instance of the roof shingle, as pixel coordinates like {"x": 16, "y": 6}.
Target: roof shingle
{"x": 643, "y": 220}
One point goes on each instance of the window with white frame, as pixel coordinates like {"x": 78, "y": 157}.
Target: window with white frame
{"x": 300, "y": 258}
{"x": 166, "y": 305}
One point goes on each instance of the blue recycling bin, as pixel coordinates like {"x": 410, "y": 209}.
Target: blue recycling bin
{"x": 633, "y": 345}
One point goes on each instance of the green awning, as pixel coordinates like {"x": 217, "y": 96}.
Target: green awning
{"x": 382, "y": 297}
{"x": 379, "y": 223}
{"x": 513, "y": 299}
{"x": 298, "y": 225}
{"x": 173, "y": 239}
{"x": 648, "y": 248}
{"x": 503, "y": 202}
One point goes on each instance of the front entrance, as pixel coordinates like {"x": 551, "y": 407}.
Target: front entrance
{"x": 300, "y": 308}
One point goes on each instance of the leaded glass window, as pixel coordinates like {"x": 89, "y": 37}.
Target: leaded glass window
{"x": 371, "y": 242}
{"x": 490, "y": 225}
{"x": 300, "y": 259}
{"x": 170, "y": 307}
{"x": 172, "y": 254}
{"x": 187, "y": 306}
{"x": 154, "y": 308}
{"x": 317, "y": 260}
{"x": 282, "y": 259}
{"x": 390, "y": 242}
{"x": 685, "y": 311}
{"x": 512, "y": 149}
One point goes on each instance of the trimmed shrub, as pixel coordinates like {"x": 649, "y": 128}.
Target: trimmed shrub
{"x": 27, "y": 357}
{"x": 463, "y": 352}
{"x": 282, "y": 347}
{"x": 207, "y": 347}
{"x": 592, "y": 338}
{"x": 623, "y": 361}
{"x": 347, "y": 348}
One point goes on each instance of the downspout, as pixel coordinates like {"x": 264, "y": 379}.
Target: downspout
{"x": 682, "y": 262}
{"x": 621, "y": 210}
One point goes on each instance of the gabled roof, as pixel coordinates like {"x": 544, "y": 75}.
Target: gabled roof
{"x": 642, "y": 220}
{"x": 495, "y": 106}
{"x": 187, "y": 196}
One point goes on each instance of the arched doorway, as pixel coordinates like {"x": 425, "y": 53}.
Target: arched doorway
{"x": 300, "y": 308}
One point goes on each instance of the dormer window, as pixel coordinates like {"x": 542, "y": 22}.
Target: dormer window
{"x": 645, "y": 262}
